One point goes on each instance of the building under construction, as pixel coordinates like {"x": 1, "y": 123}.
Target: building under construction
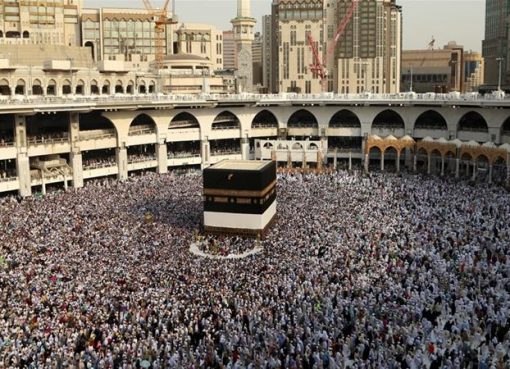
{"x": 342, "y": 46}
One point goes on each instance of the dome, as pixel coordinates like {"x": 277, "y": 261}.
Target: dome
{"x": 407, "y": 138}
{"x": 428, "y": 139}
{"x": 375, "y": 137}
{"x": 505, "y": 147}
{"x": 489, "y": 144}
{"x": 471, "y": 144}
{"x": 456, "y": 142}
{"x": 442, "y": 140}
{"x": 391, "y": 138}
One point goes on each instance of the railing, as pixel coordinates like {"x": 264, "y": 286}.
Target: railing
{"x": 98, "y": 136}
{"x": 140, "y": 159}
{"x": 88, "y": 166}
{"x": 264, "y": 125}
{"x": 162, "y": 98}
{"x": 344, "y": 125}
{"x": 47, "y": 140}
{"x": 141, "y": 131}
{"x": 437, "y": 128}
{"x": 302, "y": 125}
{"x": 8, "y": 179}
{"x": 226, "y": 152}
{"x": 473, "y": 129}
{"x": 216, "y": 127}
{"x": 180, "y": 155}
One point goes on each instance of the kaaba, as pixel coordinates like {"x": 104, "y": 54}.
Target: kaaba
{"x": 239, "y": 197}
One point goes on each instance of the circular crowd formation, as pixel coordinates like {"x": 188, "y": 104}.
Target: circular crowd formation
{"x": 378, "y": 271}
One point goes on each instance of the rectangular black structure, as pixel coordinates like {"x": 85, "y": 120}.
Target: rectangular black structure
{"x": 239, "y": 196}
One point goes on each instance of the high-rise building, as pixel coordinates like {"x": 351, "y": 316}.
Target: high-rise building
{"x": 365, "y": 58}
{"x": 30, "y": 22}
{"x": 495, "y": 44}
{"x": 267, "y": 52}
{"x": 256, "y": 49}
{"x": 229, "y": 50}
{"x": 242, "y": 26}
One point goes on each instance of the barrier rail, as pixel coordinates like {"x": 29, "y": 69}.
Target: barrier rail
{"x": 283, "y": 97}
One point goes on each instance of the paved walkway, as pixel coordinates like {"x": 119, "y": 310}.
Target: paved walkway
{"x": 193, "y": 248}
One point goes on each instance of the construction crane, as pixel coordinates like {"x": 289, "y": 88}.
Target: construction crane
{"x": 318, "y": 67}
{"x": 161, "y": 19}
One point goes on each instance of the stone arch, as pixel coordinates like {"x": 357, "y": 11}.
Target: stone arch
{"x": 26, "y": 34}
{"x": 51, "y": 87}
{"x": 142, "y": 88}
{"x": 37, "y": 87}
{"x": 282, "y": 146}
{"x": 105, "y": 89}
{"x": 313, "y": 146}
{"x": 80, "y": 87}
{"x": 388, "y": 119}
{"x": 1, "y": 34}
{"x": 20, "y": 88}
{"x": 344, "y": 119}
{"x": 119, "y": 87}
{"x": 432, "y": 120}
{"x": 302, "y": 119}
{"x": 130, "y": 88}
{"x": 152, "y": 87}
{"x": 96, "y": 121}
{"x": 66, "y": 87}
{"x": 142, "y": 124}
{"x": 264, "y": 119}
{"x": 505, "y": 128}
{"x": 268, "y": 145}
{"x": 184, "y": 120}
{"x": 297, "y": 146}
{"x": 90, "y": 45}
{"x": 5, "y": 89}
{"x": 473, "y": 122}
{"x": 226, "y": 120}
{"x": 94, "y": 87}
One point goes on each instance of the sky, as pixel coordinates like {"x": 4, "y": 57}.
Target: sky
{"x": 445, "y": 20}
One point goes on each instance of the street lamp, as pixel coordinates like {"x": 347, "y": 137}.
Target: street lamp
{"x": 499, "y": 60}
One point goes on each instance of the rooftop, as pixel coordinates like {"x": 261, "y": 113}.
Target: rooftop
{"x": 240, "y": 165}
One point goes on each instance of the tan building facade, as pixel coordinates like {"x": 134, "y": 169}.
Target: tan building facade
{"x": 200, "y": 39}
{"x": 442, "y": 70}
{"x": 31, "y": 22}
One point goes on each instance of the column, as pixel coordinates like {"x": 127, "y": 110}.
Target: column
{"x": 43, "y": 184}
{"x": 335, "y": 159}
{"x": 77, "y": 167}
{"x": 367, "y": 159}
{"x": 382, "y": 160}
{"x": 304, "y": 159}
{"x": 122, "y": 163}
{"x": 22, "y": 160}
{"x": 490, "y": 173}
{"x": 350, "y": 160}
{"x": 245, "y": 148}
{"x": 415, "y": 162}
{"x": 474, "y": 171}
{"x": 457, "y": 167}
{"x": 398, "y": 161}
{"x": 429, "y": 163}
{"x": 75, "y": 156}
{"x": 442, "y": 166}
{"x": 162, "y": 156}
{"x": 289, "y": 159}
{"x": 205, "y": 152}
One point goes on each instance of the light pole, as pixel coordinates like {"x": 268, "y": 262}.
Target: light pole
{"x": 499, "y": 60}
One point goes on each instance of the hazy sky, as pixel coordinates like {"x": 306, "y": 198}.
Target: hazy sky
{"x": 459, "y": 20}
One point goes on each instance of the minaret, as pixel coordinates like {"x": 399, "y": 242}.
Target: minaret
{"x": 243, "y": 26}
